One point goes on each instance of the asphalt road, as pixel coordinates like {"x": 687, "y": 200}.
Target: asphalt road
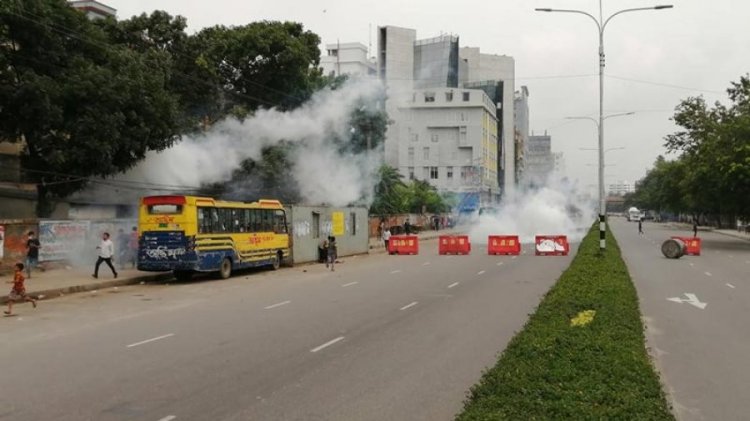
{"x": 703, "y": 353}
{"x": 383, "y": 337}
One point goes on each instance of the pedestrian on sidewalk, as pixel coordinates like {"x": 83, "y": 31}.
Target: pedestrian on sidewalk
{"x": 640, "y": 226}
{"x": 331, "y": 251}
{"x": 18, "y": 292}
{"x": 133, "y": 247}
{"x": 122, "y": 247}
{"x": 106, "y": 250}
{"x": 386, "y": 237}
{"x": 407, "y": 227}
{"x": 695, "y": 229}
{"x": 32, "y": 253}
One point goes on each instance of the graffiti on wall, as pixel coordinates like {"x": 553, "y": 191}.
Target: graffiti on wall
{"x": 60, "y": 239}
{"x": 301, "y": 229}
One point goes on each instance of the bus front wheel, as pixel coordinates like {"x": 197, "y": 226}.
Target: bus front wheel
{"x": 225, "y": 270}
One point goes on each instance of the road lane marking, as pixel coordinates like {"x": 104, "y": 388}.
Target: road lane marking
{"x": 425, "y": 263}
{"x": 327, "y": 344}
{"x": 151, "y": 340}
{"x": 514, "y": 257}
{"x": 283, "y": 303}
{"x": 168, "y": 418}
{"x": 412, "y": 304}
{"x": 453, "y": 285}
{"x": 395, "y": 271}
{"x": 692, "y": 264}
{"x": 349, "y": 284}
{"x": 708, "y": 273}
{"x": 481, "y": 272}
{"x": 499, "y": 263}
{"x": 731, "y": 286}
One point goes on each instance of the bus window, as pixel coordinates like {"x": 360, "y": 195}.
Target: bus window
{"x": 279, "y": 222}
{"x": 267, "y": 222}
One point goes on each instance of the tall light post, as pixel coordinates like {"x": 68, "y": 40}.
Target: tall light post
{"x": 601, "y": 25}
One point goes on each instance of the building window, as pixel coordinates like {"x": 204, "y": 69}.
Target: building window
{"x": 425, "y": 173}
{"x": 426, "y": 152}
{"x": 467, "y": 96}
{"x": 433, "y": 173}
{"x": 415, "y": 137}
{"x": 353, "y": 217}
{"x": 449, "y": 174}
{"x": 449, "y": 96}
{"x": 411, "y": 155}
{"x": 411, "y": 173}
{"x": 429, "y": 97}
{"x": 434, "y": 137}
{"x": 466, "y": 173}
{"x": 316, "y": 224}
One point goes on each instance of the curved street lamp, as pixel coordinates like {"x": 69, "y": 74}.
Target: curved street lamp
{"x": 601, "y": 25}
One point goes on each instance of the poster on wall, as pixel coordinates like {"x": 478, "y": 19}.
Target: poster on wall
{"x": 2, "y": 240}
{"x": 337, "y": 222}
{"x": 62, "y": 240}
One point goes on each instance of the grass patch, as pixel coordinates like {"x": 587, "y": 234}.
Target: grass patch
{"x": 595, "y": 369}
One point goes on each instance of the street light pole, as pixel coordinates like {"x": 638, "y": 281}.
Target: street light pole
{"x": 601, "y": 25}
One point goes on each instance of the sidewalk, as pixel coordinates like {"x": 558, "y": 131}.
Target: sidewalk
{"x": 58, "y": 282}
{"x": 376, "y": 244}
{"x": 728, "y": 232}
{"x": 734, "y": 233}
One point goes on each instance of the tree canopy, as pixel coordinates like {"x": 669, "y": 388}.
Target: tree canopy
{"x": 711, "y": 175}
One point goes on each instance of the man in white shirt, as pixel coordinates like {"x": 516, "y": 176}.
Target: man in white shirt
{"x": 386, "y": 237}
{"x": 106, "y": 250}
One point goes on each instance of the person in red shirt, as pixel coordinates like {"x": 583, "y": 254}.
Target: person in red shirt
{"x": 18, "y": 292}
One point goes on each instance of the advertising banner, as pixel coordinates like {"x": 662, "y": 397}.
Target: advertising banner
{"x": 337, "y": 219}
{"x": 62, "y": 240}
{"x": 2, "y": 240}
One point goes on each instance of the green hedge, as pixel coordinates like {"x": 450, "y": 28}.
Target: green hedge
{"x": 554, "y": 370}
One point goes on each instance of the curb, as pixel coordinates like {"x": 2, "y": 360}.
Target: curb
{"x": 61, "y": 291}
{"x": 738, "y": 236}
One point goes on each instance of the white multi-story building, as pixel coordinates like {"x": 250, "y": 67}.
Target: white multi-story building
{"x": 348, "y": 58}
{"x": 620, "y": 188}
{"x": 93, "y": 9}
{"x": 450, "y": 140}
{"x": 410, "y": 68}
{"x": 521, "y": 124}
{"x": 539, "y": 160}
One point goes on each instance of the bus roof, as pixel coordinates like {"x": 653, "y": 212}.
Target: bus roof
{"x": 208, "y": 201}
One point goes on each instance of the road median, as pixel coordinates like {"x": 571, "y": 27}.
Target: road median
{"x": 581, "y": 355}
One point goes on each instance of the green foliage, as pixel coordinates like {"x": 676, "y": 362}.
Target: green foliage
{"x": 393, "y": 196}
{"x": 712, "y": 173}
{"x": 83, "y": 106}
{"x": 553, "y": 370}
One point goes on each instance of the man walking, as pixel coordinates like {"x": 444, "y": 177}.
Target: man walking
{"x": 106, "y": 250}
{"x": 640, "y": 226}
{"x": 386, "y": 237}
{"x": 695, "y": 229}
{"x": 32, "y": 253}
{"x": 331, "y": 251}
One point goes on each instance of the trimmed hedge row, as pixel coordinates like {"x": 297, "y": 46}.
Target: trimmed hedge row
{"x": 592, "y": 368}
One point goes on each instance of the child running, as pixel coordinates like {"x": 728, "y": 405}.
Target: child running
{"x": 18, "y": 292}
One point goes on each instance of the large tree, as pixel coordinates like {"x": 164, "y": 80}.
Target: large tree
{"x": 82, "y": 106}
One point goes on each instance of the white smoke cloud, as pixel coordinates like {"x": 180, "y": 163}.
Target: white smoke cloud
{"x": 323, "y": 174}
{"x": 550, "y": 210}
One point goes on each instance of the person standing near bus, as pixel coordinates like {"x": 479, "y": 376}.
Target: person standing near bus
{"x": 32, "y": 253}
{"x": 331, "y": 251}
{"x": 106, "y": 250}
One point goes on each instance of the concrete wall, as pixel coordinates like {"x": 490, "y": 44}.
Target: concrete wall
{"x": 308, "y": 230}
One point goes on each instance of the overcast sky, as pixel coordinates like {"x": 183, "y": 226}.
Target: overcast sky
{"x": 698, "y": 46}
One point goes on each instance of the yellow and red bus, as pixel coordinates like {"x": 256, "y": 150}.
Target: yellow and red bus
{"x": 188, "y": 234}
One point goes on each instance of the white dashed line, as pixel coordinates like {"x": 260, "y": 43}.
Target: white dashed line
{"x": 412, "y": 304}
{"x": 283, "y": 303}
{"x": 692, "y": 264}
{"x": 481, "y": 272}
{"x": 425, "y": 263}
{"x": 150, "y": 340}
{"x": 453, "y": 285}
{"x": 514, "y": 257}
{"x": 731, "y": 286}
{"x": 395, "y": 271}
{"x": 349, "y": 284}
{"x": 168, "y": 418}
{"x": 327, "y": 344}
{"x": 499, "y": 263}
{"x": 708, "y": 273}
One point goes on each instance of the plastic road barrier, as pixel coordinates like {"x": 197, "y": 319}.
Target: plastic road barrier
{"x": 674, "y": 248}
{"x": 503, "y": 244}
{"x": 692, "y": 245}
{"x": 403, "y": 244}
{"x": 551, "y": 245}
{"x": 454, "y": 244}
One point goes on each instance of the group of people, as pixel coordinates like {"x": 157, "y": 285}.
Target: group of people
{"x": 127, "y": 248}
{"x": 328, "y": 251}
